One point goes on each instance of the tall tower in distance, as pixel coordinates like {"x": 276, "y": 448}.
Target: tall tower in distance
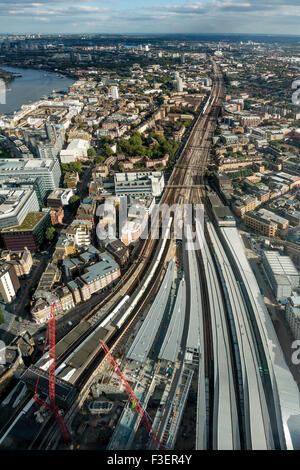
{"x": 179, "y": 84}
{"x": 114, "y": 92}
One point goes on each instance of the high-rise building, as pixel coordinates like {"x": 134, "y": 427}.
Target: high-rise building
{"x": 15, "y": 204}
{"x": 114, "y": 92}
{"x": 179, "y": 84}
{"x": 49, "y": 171}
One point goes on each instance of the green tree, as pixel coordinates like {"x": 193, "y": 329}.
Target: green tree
{"x": 71, "y": 167}
{"x": 107, "y": 151}
{"x": 1, "y": 315}
{"x": 99, "y": 159}
{"x": 105, "y": 140}
{"x": 50, "y": 233}
{"x": 91, "y": 152}
{"x": 74, "y": 203}
{"x": 76, "y": 167}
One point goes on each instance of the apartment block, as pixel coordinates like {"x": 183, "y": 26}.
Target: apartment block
{"x": 243, "y": 205}
{"x": 260, "y": 223}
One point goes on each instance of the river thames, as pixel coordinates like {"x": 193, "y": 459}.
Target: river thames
{"x": 31, "y": 87}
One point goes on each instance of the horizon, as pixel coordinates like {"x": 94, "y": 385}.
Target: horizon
{"x": 123, "y": 34}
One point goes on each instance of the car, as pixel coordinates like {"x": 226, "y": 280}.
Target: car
{"x": 70, "y": 323}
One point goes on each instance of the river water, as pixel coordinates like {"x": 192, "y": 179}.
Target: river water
{"x": 32, "y": 86}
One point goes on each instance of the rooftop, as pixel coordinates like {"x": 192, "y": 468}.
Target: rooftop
{"x": 12, "y": 199}
{"x": 280, "y": 265}
{"x": 101, "y": 269}
{"x": 29, "y": 223}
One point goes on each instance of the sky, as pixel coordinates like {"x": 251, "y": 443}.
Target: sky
{"x": 150, "y": 16}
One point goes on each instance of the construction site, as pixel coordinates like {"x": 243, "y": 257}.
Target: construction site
{"x": 128, "y": 400}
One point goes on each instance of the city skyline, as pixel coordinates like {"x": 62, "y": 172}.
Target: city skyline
{"x": 157, "y": 17}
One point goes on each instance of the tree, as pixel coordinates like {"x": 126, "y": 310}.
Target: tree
{"x": 99, "y": 159}
{"x": 91, "y": 152}
{"x": 74, "y": 203}
{"x": 107, "y": 151}
{"x": 76, "y": 167}
{"x": 105, "y": 140}
{"x": 50, "y": 232}
{"x": 71, "y": 167}
{"x": 247, "y": 105}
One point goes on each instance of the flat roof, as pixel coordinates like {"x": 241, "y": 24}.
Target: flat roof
{"x": 87, "y": 349}
{"x": 195, "y": 324}
{"x": 142, "y": 343}
{"x": 263, "y": 219}
{"x": 15, "y": 164}
{"x": 170, "y": 347}
{"x": 288, "y": 393}
{"x": 63, "y": 391}
{"x": 70, "y": 338}
{"x": 29, "y": 223}
{"x": 281, "y": 264}
{"x": 273, "y": 216}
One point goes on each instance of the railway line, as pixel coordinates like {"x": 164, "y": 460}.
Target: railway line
{"x": 256, "y": 430}
{"x": 223, "y": 404}
{"x": 217, "y": 404}
{"x": 232, "y": 412}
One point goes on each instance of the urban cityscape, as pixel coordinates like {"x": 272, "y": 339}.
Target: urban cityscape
{"x": 150, "y": 240}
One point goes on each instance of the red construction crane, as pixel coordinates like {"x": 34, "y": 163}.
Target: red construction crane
{"x": 52, "y": 407}
{"x": 135, "y": 403}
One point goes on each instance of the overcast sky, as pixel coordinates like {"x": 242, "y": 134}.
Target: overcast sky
{"x": 150, "y": 16}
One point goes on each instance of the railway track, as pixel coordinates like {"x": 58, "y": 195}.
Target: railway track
{"x": 183, "y": 173}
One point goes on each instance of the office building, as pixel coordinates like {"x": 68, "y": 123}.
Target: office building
{"x": 114, "y": 92}
{"x": 59, "y": 197}
{"x": 15, "y": 204}
{"x": 27, "y": 182}
{"x": 49, "y": 171}
{"x": 277, "y": 219}
{"x": 99, "y": 275}
{"x": 76, "y": 150}
{"x": 79, "y": 235}
{"x": 30, "y": 233}
{"x": 179, "y": 84}
{"x": 143, "y": 183}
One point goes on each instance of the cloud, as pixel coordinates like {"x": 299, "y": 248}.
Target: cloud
{"x": 157, "y": 16}
{"x": 38, "y": 10}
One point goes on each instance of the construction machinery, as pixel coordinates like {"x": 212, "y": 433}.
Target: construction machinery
{"x": 51, "y": 406}
{"x": 146, "y": 420}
